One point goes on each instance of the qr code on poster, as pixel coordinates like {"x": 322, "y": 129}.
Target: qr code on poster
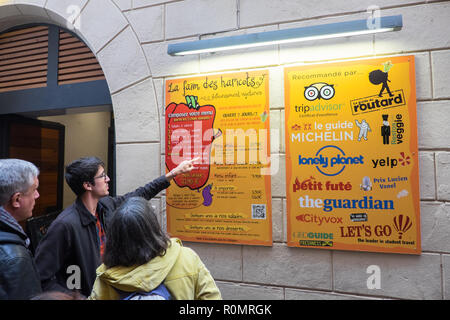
{"x": 258, "y": 211}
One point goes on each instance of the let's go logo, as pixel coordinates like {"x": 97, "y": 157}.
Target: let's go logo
{"x": 330, "y": 160}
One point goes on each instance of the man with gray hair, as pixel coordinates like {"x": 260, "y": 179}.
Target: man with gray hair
{"x": 19, "y": 279}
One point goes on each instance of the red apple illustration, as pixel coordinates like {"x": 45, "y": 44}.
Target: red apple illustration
{"x": 189, "y": 134}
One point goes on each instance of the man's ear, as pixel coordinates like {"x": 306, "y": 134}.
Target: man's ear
{"x": 15, "y": 203}
{"x": 87, "y": 186}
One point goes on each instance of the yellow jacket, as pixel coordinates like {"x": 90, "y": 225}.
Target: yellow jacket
{"x": 181, "y": 269}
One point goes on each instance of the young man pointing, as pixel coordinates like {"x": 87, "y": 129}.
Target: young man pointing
{"x": 69, "y": 254}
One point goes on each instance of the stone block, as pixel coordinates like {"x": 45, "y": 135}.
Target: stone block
{"x": 278, "y": 178}
{"x": 423, "y": 80}
{"x": 223, "y": 261}
{"x": 136, "y": 114}
{"x": 446, "y": 276}
{"x": 432, "y": 124}
{"x": 64, "y": 12}
{"x": 147, "y": 23}
{"x": 248, "y": 57}
{"x": 196, "y": 17}
{"x": 137, "y": 164}
{"x": 32, "y": 7}
{"x": 163, "y": 65}
{"x": 326, "y": 49}
{"x": 163, "y": 220}
{"x": 435, "y": 218}
{"x": 124, "y": 4}
{"x": 425, "y": 27}
{"x": 275, "y": 131}
{"x": 295, "y": 294}
{"x": 159, "y": 92}
{"x": 144, "y": 3}
{"x": 97, "y": 31}
{"x": 286, "y": 266}
{"x": 441, "y": 72}
{"x": 238, "y": 291}
{"x": 443, "y": 175}
{"x": 276, "y": 88}
{"x": 427, "y": 176}
{"x": 402, "y": 276}
{"x": 126, "y": 68}
{"x": 258, "y": 12}
{"x": 277, "y": 220}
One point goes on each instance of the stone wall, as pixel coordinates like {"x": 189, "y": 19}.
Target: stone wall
{"x": 130, "y": 38}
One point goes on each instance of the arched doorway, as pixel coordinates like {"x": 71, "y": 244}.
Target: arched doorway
{"x": 55, "y": 107}
{"x": 133, "y": 90}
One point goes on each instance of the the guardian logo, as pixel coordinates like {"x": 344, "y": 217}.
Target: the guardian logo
{"x": 330, "y": 160}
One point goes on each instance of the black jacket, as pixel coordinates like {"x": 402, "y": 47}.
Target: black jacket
{"x": 19, "y": 279}
{"x": 69, "y": 253}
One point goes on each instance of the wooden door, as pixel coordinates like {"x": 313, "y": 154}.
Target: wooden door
{"x": 42, "y": 143}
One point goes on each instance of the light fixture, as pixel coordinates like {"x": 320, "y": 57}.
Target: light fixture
{"x": 324, "y": 31}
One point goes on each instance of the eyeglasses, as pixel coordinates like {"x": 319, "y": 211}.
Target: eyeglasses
{"x": 103, "y": 175}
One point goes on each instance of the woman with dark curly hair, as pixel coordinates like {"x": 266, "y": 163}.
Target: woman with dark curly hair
{"x": 139, "y": 256}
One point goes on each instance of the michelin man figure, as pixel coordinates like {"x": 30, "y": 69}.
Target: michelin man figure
{"x": 363, "y": 129}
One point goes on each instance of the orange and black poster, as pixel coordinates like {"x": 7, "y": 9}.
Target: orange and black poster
{"x": 224, "y": 121}
{"x": 352, "y": 171}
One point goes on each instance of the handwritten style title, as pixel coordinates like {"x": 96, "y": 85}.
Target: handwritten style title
{"x": 253, "y": 82}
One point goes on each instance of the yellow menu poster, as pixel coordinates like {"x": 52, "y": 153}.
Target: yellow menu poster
{"x": 224, "y": 121}
{"x": 352, "y": 169}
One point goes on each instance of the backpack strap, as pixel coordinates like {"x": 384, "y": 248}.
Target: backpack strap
{"x": 160, "y": 290}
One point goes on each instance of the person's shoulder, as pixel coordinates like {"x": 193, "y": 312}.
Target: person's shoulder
{"x": 67, "y": 215}
{"x": 13, "y": 251}
{"x": 67, "y": 219}
{"x": 188, "y": 254}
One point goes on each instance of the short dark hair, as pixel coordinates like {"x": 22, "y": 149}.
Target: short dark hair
{"x": 80, "y": 171}
{"x": 134, "y": 235}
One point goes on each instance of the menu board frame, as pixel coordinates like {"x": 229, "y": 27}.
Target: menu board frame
{"x": 352, "y": 168}
{"x": 223, "y": 119}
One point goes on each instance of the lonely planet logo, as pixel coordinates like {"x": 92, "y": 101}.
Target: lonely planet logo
{"x": 330, "y": 160}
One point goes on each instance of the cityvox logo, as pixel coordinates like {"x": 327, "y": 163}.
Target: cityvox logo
{"x": 330, "y": 160}
{"x": 319, "y": 90}
{"x": 319, "y": 220}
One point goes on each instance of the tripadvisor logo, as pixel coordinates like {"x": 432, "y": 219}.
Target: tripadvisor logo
{"x": 385, "y": 99}
{"x": 319, "y": 90}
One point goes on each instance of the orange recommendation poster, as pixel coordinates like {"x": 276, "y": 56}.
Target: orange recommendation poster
{"x": 352, "y": 157}
{"x": 223, "y": 120}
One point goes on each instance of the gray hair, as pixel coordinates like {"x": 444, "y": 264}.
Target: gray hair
{"x": 15, "y": 176}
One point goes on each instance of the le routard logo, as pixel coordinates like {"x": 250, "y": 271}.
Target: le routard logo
{"x": 319, "y": 90}
{"x": 384, "y": 99}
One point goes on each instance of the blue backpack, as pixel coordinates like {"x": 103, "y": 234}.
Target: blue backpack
{"x": 159, "y": 293}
